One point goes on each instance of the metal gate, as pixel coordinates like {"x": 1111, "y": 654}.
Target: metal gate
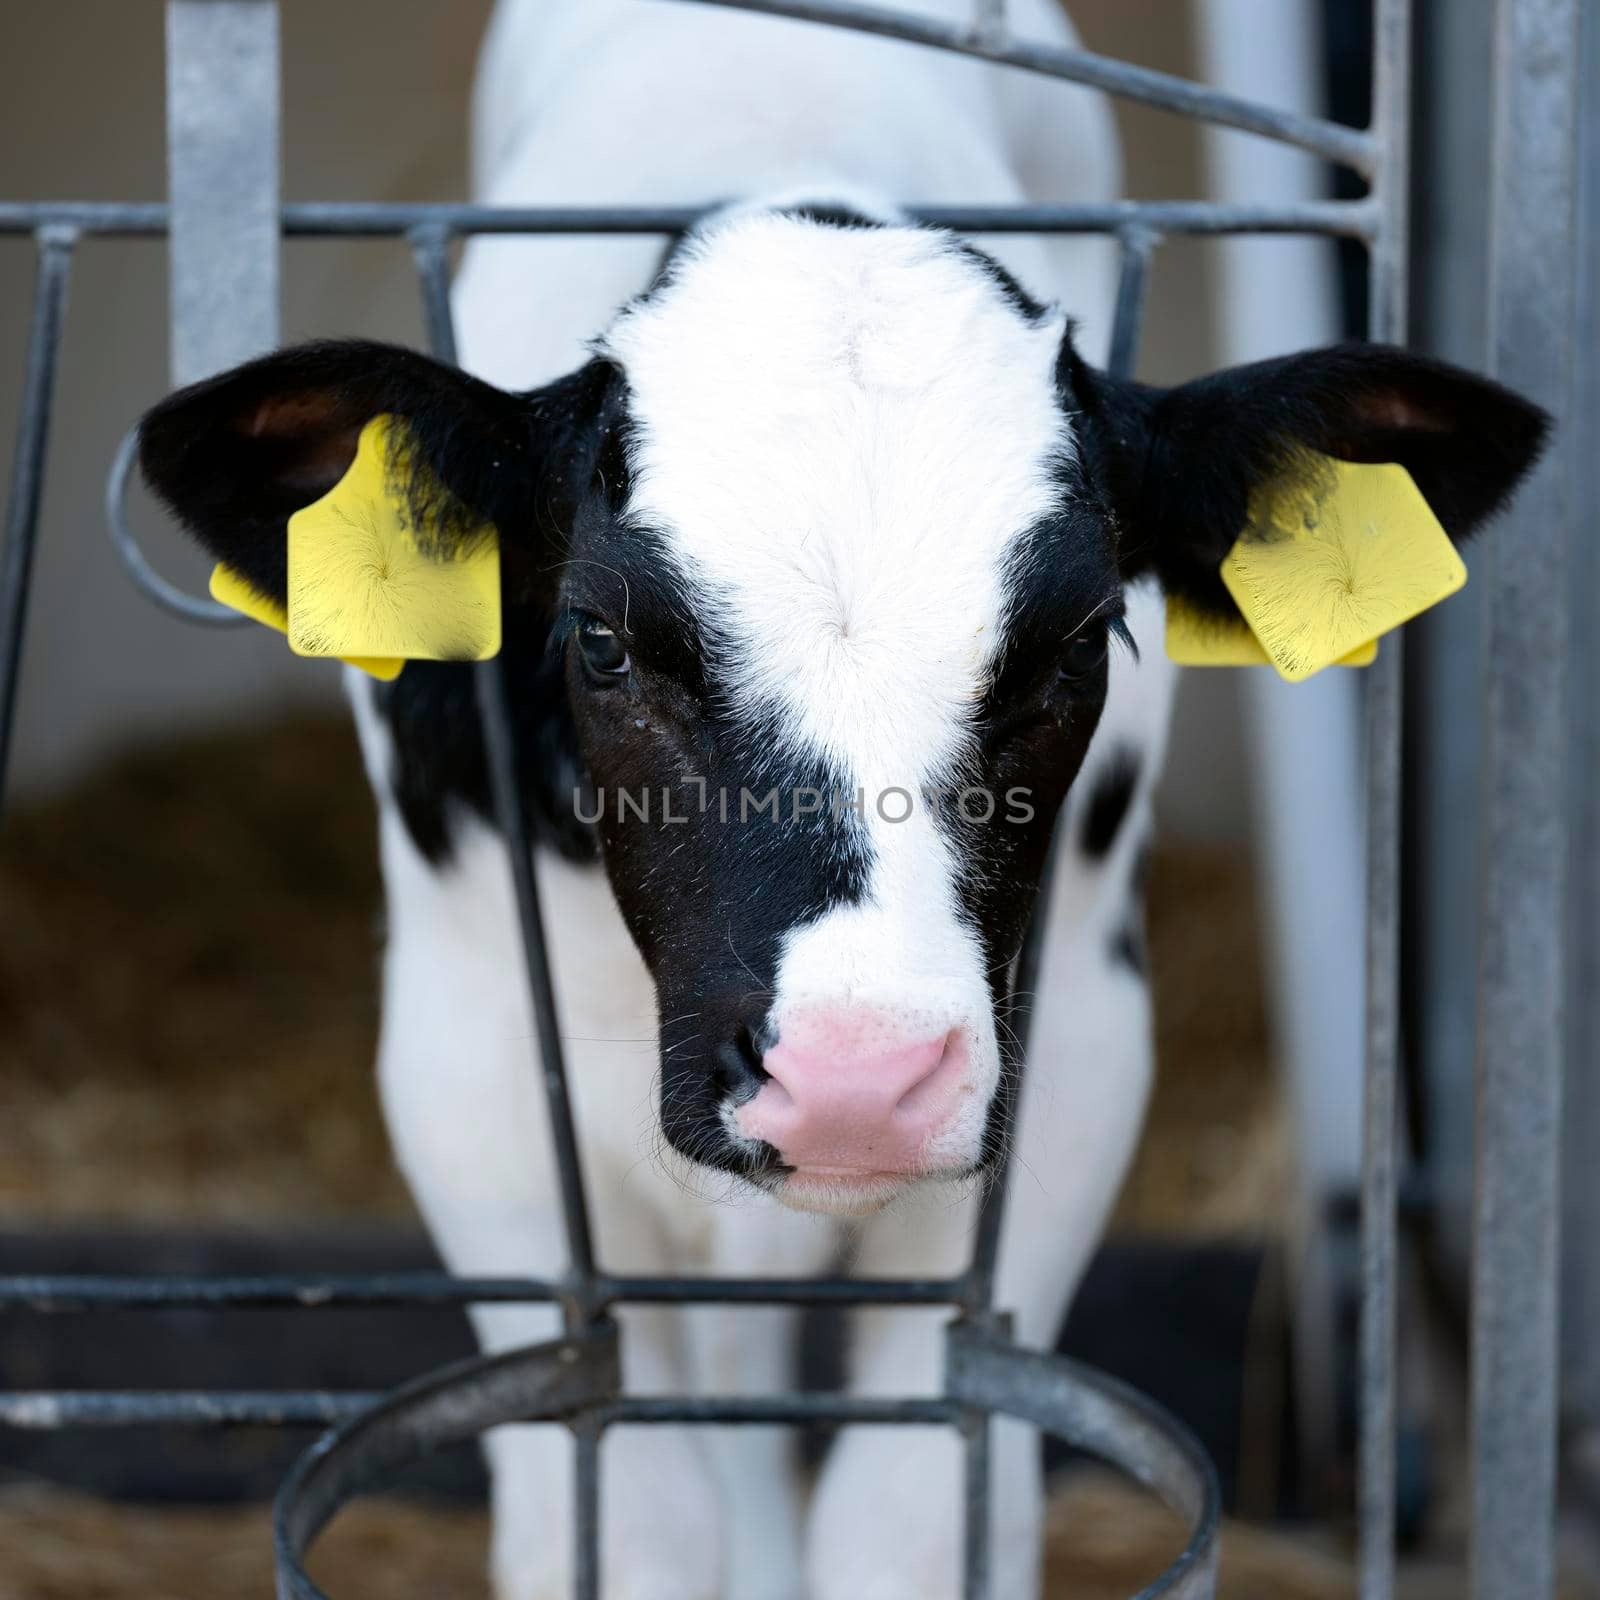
{"x": 223, "y": 225}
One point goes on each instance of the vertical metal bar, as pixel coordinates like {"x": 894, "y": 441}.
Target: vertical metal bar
{"x": 586, "y": 1521}
{"x": 222, "y": 172}
{"x": 1388, "y": 285}
{"x": 976, "y": 1432}
{"x": 989, "y": 22}
{"x": 27, "y": 468}
{"x": 1580, "y": 1274}
{"x": 1532, "y": 305}
{"x": 430, "y": 248}
{"x": 1137, "y": 246}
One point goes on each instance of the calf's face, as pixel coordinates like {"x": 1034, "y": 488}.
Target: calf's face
{"x": 825, "y": 550}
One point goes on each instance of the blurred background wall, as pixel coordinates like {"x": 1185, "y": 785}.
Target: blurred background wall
{"x": 376, "y": 108}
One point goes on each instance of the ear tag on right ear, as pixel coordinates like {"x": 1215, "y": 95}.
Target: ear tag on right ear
{"x": 1195, "y": 639}
{"x": 364, "y": 580}
{"x": 231, "y": 589}
{"x": 1334, "y": 554}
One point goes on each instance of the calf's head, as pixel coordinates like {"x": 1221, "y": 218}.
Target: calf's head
{"x": 813, "y": 581}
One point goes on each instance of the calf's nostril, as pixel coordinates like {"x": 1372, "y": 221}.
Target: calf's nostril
{"x": 737, "y": 1070}
{"x": 933, "y": 1085}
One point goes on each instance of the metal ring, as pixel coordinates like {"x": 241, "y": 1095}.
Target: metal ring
{"x": 167, "y": 595}
{"x": 576, "y": 1379}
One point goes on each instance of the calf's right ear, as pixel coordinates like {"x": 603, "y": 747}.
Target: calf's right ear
{"x": 1178, "y": 466}
{"x": 236, "y": 456}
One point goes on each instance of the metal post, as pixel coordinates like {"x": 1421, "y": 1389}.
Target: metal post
{"x": 582, "y": 1301}
{"x": 1580, "y": 1276}
{"x": 27, "y": 468}
{"x": 1520, "y": 1038}
{"x": 1391, "y": 102}
{"x": 222, "y": 171}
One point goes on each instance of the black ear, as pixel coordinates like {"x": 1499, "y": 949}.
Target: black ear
{"x": 234, "y": 457}
{"x": 1178, "y": 465}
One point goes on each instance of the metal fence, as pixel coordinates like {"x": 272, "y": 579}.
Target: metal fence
{"x": 223, "y": 226}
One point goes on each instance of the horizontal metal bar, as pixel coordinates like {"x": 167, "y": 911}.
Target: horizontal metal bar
{"x": 222, "y": 1408}
{"x": 67, "y": 1292}
{"x": 1351, "y": 147}
{"x": 787, "y": 1291}
{"x": 779, "y": 1409}
{"x": 70, "y": 1292}
{"x": 91, "y": 1408}
{"x": 1354, "y": 219}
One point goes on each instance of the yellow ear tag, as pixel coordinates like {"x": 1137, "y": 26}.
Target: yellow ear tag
{"x": 1195, "y": 639}
{"x": 231, "y": 589}
{"x": 363, "y": 583}
{"x": 1334, "y": 554}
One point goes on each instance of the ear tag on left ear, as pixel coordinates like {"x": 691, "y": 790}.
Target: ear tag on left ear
{"x": 1336, "y": 553}
{"x": 364, "y": 580}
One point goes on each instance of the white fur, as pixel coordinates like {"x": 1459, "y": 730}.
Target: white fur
{"x": 590, "y": 101}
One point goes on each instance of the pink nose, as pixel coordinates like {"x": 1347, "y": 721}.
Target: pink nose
{"x": 855, "y": 1091}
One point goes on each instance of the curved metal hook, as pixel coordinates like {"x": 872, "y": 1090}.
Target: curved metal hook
{"x": 165, "y": 594}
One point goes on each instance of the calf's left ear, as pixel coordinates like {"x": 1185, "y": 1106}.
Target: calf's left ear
{"x": 1178, "y": 465}
{"x": 235, "y": 456}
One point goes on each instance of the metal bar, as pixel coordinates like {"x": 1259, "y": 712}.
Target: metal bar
{"x": 1354, "y": 219}
{"x": 586, "y": 1523}
{"x": 222, "y": 173}
{"x": 1580, "y": 1274}
{"x": 430, "y": 247}
{"x": 1521, "y": 1044}
{"x": 222, "y": 1408}
{"x": 27, "y": 468}
{"x": 1108, "y": 1419}
{"x": 127, "y": 1408}
{"x": 989, "y": 21}
{"x": 494, "y": 711}
{"x": 159, "y": 590}
{"x": 977, "y": 1437}
{"x": 71, "y": 1293}
{"x": 551, "y": 1382}
{"x": 1349, "y": 147}
{"x": 1137, "y": 247}
{"x": 763, "y": 1410}
{"x": 67, "y": 1293}
{"x": 1387, "y": 273}
{"x": 784, "y": 1291}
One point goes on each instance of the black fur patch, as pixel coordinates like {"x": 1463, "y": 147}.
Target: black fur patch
{"x": 1114, "y": 787}
{"x": 1023, "y": 303}
{"x": 831, "y": 214}
{"x": 1127, "y": 947}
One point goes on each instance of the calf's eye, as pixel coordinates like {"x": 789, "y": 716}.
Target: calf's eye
{"x": 1083, "y": 654}
{"x": 605, "y": 656}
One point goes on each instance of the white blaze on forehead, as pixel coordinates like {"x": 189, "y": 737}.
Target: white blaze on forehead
{"x": 841, "y": 433}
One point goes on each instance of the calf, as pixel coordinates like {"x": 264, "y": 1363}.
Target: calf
{"x": 834, "y": 540}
